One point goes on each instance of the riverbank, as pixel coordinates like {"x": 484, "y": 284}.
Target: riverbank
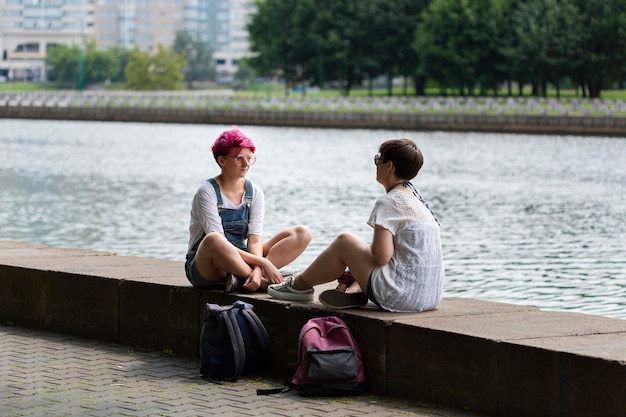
{"x": 480, "y": 114}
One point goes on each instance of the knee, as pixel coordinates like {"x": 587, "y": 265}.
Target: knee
{"x": 304, "y": 234}
{"x": 212, "y": 241}
{"x": 345, "y": 237}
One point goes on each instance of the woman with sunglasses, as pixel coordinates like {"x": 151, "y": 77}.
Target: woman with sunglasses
{"x": 402, "y": 269}
{"x": 226, "y": 228}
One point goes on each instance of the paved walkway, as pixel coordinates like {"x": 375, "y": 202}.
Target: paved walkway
{"x": 49, "y": 374}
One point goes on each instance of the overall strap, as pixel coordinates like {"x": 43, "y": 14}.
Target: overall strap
{"x": 220, "y": 204}
{"x": 249, "y": 192}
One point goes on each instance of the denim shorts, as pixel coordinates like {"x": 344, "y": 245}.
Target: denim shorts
{"x": 370, "y": 292}
{"x": 194, "y": 277}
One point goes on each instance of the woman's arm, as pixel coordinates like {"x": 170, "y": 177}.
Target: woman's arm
{"x": 261, "y": 266}
{"x": 382, "y": 245}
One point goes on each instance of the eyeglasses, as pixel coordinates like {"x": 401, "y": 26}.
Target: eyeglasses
{"x": 376, "y": 159}
{"x": 250, "y": 160}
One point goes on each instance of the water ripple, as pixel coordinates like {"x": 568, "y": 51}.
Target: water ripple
{"x": 532, "y": 220}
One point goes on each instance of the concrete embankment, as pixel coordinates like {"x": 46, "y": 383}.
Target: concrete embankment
{"x": 506, "y": 115}
{"x": 492, "y": 358}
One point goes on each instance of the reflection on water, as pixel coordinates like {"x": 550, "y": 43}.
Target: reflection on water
{"x": 535, "y": 220}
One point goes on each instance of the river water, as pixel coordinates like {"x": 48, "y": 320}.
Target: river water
{"x": 533, "y": 220}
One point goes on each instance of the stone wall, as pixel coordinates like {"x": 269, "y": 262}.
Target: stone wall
{"x": 576, "y": 117}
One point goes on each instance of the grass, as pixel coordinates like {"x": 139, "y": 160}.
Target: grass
{"x": 28, "y": 87}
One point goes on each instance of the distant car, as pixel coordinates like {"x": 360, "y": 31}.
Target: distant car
{"x": 3, "y": 79}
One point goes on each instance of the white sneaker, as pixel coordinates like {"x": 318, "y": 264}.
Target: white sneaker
{"x": 286, "y": 291}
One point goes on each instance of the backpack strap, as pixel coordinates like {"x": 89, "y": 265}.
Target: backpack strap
{"x": 257, "y": 327}
{"x": 271, "y": 391}
{"x": 239, "y": 349}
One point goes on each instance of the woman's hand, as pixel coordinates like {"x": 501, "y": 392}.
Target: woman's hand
{"x": 271, "y": 272}
{"x": 254, "y": 280}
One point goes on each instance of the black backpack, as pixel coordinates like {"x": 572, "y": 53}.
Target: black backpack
{"x": 233, "y": 342}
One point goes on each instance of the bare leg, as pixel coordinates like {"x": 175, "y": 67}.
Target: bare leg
{"x": 287, "y": 245}
{"x": 216, "y": 255}
{"x": 346, "y": 250}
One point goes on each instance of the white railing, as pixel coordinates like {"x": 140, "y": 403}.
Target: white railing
{"x": 211, "y": 101}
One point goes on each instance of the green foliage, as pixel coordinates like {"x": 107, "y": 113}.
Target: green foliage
{"x": 333, "y": 41}
{"x": 198, "y": 55}
{"x": 121, "y": 56}
{"x": 65, "y": 60}
{"x": 467, "y": 45}
{"x": 245, "y": 77}
{"x": 161, "y": 71}
{"x": 603, "y": 27}
{"x": 276, "y": 42}
{"x": 458, "y": 43}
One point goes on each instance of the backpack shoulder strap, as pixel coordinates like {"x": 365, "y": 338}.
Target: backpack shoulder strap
{"x": 236, "y": 339}
{"x": 257, "y": 328}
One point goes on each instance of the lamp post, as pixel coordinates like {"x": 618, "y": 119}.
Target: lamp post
{"x": 81, "y": 59}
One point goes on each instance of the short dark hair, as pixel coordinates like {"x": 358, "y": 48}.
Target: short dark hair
{"x": 405, "y": 155}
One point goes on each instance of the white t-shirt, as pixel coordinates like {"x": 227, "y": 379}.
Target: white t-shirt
{"x": 205, "y": 217}
{"x": 413, "y": 279}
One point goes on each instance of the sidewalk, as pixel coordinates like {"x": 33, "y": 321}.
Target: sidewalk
{"x": 50, "y": 374}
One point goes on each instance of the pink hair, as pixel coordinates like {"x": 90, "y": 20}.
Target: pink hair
{"x": 230, "y": 139}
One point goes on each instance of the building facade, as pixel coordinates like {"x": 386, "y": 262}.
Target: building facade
{"x": 28, "y": 28}
{"x": 228, "y": 35}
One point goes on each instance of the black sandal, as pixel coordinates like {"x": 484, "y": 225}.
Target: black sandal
{"x": 345, "y": 280}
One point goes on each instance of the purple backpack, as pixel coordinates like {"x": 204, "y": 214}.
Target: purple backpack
{"x": 329, "y": 360}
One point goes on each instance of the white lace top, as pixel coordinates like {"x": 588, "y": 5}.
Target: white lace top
{"x": 413, "y": 279}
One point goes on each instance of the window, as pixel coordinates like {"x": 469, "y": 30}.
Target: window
{"x": 27, "y": 47}
{"x": 11, "y": 13}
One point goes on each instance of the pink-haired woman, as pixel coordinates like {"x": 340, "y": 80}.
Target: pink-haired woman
{"x": 226, "y": 228}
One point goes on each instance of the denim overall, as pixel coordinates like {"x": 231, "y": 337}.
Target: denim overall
{"x": 235, "y": 224}
{"x": 235, "y": 221}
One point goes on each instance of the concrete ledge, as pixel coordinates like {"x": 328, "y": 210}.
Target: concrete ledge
{"x": 492, "y": 358}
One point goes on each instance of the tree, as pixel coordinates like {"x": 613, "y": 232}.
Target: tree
{"x": 162, "y": 71}
{"x": 121, "y": 55}
{"x": 278, "y": 45}
{"x": 198, "y": 55}
{"x": 100, "y": 65}
{"x": 546, "y": 43}
{"x": 457, "y": 43}
{"x": 391, "y": 33}
{"x": 603, "y": 25}
{"x": 312, "y": 41}
{"x": 245, "y": 77}
{"x": 64, "y": 62}
{"x": 335, "y": 32}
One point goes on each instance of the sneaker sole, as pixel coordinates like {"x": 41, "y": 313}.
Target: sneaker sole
{"x": 289, "y": 296}
{"x": 234, "y": 284}
{"x": 337, "y": 300}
